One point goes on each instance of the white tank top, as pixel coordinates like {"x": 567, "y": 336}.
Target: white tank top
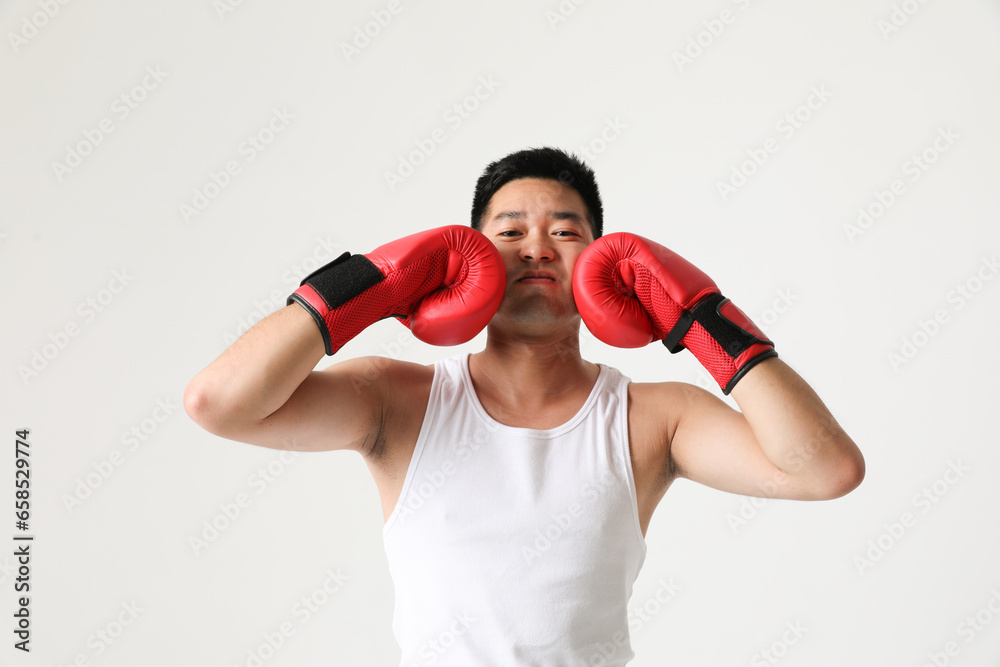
{"x": 515, "y": 546}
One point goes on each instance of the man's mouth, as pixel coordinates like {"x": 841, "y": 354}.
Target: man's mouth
{"x": 539, "y": 277}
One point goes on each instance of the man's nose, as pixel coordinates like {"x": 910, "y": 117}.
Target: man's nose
{"x": 537, "y": 248}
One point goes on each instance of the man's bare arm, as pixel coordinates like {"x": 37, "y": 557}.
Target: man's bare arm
{"x": 782, "y": 443}
{"x": 263, "y": 390}
{"x": 797, "y": 432}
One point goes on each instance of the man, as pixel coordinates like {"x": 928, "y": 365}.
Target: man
{"x": 517, "y": 483}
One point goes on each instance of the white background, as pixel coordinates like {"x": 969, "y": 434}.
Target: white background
{"x": 837, "y": 302}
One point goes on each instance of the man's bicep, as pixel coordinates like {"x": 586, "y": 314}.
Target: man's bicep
{"x": 336, "y": 408}
{"x": 712, "y": 444}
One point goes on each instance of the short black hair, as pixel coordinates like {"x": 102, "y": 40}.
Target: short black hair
{"x": 545, "y": 162}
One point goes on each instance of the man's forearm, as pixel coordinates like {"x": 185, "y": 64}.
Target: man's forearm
{"x": 796, "y": 431}
{"x": 259, "y": 372}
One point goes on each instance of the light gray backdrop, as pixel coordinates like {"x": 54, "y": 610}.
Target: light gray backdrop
{"x": 170, "y": 171}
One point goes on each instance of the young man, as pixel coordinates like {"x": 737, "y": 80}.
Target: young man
{"x": 517, "y": 483}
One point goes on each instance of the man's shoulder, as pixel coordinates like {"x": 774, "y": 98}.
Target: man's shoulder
{"x": 660, "y": 405}
{"x": 654, "y": 393}
{"x": 384, "y": 372}
{"x": 397, "y": 390}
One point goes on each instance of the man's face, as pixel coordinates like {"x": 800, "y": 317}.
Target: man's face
{"x": 540, "y": 228}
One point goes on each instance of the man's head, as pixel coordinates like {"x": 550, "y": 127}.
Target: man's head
{"x": 541, "y": 208}
{"x": 547, "y": 163}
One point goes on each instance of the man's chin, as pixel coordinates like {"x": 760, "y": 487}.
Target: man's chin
{"x": 534, "y": 307}
{"x": 539, "y": 316}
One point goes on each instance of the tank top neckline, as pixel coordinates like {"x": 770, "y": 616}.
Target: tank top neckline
{"x": 522, "y": 431}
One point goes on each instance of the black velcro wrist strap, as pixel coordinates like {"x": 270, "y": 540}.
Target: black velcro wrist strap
{"x": 343, "y": 279}
{"x": 673, "y": 339}
{"x": 734, "y": 339}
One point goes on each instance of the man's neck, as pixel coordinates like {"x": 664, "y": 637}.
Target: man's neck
{"x": 532, "y": 375}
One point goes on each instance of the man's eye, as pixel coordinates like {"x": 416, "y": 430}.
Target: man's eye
{"x": 564, "y": 231}
{"x": 509, "y": 232}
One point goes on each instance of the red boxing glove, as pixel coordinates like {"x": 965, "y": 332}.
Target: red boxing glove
{"x": 631, "y": 291}
{"x": 445, "y": 284}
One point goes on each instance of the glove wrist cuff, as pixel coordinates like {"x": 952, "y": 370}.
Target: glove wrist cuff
{"x": 299, "y": 296}
{"x": 742, "y": 370}
{"x": 722, "y": 338}
{"x": 331, "y": 286}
